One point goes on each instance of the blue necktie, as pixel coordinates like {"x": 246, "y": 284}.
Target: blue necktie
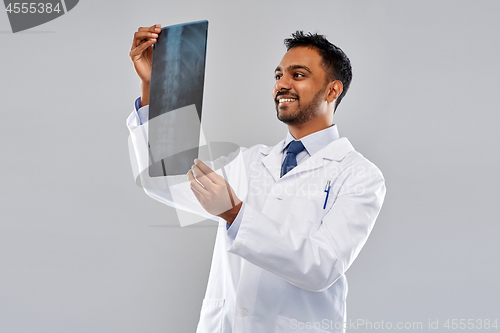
{"x": 290, "y": 161}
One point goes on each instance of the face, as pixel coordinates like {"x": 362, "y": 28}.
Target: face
{"x": 300, "y": 89}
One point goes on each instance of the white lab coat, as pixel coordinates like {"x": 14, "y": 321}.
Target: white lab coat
{"x": 284, "y": 270}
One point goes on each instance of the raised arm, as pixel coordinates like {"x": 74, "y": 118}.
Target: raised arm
{"x": 141, "y": 54}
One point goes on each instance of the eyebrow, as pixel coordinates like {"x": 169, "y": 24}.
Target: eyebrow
{"x": 292, "y": 67}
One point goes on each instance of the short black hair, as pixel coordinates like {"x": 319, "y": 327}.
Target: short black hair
{"x": 335, "y": 62}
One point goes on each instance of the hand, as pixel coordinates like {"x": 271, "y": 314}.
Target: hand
{"x": 213, "y": 192}
{"x": 141, "y": 54}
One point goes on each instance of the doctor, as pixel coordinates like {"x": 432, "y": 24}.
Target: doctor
{"x": 293, "y": 217}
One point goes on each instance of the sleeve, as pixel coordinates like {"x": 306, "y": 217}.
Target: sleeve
{"x": 314, "y": 261}
{"x": 142, "y": 112}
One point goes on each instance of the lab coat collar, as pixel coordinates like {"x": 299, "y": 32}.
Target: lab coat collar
{"x": 335, "y": 151}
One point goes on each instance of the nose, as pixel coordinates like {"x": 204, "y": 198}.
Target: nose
{"x": 283, "y": 83}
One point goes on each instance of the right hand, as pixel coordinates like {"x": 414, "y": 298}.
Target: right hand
{"x": 141, "y": 52}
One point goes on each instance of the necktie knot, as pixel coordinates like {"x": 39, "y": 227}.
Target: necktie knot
{"x": 295, "y": 147}
{"x": 290, "y": 161}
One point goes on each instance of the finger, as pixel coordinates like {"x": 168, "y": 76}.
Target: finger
{"x": 145, "y": 34}
{"x": 142, "y": 47}
{"x": 198, "y": 195}
{"x": 228, "y": 187}
{"x": 141, "y": 37}
{"x": 152, "y": 28}
{"x": 195, "y": 186}
{"x": 201, "y": 177}
{"x": 139, "y": 50}
{"x": 207, "y": 171}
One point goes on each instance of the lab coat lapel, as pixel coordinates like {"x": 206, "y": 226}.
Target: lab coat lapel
{"x": 336, "y": 150}
{"x": 272, "y": 161}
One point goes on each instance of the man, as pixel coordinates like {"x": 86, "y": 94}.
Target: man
{"x": 293, "y": 217}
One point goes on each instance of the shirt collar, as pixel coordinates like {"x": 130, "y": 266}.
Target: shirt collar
{"x": 316, "y": 141}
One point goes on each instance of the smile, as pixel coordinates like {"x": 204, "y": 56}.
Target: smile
{"x": 286, "y": 100}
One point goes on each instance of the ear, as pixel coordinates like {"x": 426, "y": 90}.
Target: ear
{"x": 333, "y": 90}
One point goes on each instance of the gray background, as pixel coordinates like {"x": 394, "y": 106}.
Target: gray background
{"x": 83, "y": 249}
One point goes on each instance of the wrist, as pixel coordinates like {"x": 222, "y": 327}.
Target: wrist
{"x": 231, "y": 214}
{"x": 144, "y": 93}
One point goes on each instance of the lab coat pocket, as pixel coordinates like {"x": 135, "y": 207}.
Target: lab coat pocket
{"x": 287, "y": 325}
{"x": 311, "y": 202}
{"x": 211, "y": 316}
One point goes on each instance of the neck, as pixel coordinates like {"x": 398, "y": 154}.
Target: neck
{"x": 300, "y": 131}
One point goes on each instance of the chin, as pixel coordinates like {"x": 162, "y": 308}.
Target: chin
{"x": 289, "y": 120}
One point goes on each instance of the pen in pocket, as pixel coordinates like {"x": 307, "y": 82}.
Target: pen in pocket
{"x": 327, "y": 190}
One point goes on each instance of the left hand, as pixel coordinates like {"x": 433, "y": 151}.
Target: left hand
{"x": 213, "y": 192}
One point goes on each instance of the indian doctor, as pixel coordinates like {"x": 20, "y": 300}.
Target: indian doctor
{"x": 292, "y": 217}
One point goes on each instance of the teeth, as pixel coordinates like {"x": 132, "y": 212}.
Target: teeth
{"x": 286, "y": 100}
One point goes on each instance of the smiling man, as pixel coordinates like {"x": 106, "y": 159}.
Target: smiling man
{"x": 306, "y": 90}
{"x": 293, "y": 217}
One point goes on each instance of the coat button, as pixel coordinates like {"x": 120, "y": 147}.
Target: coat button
{"x": 238, "y": 245}
{"x": 243, "y": 313}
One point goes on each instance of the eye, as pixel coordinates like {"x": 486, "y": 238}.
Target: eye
{"x": 298, "y": 75}
{"x": 277, "y": 76}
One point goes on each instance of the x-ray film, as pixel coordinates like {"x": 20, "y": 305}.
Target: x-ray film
{"x": 176, "y": 97}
